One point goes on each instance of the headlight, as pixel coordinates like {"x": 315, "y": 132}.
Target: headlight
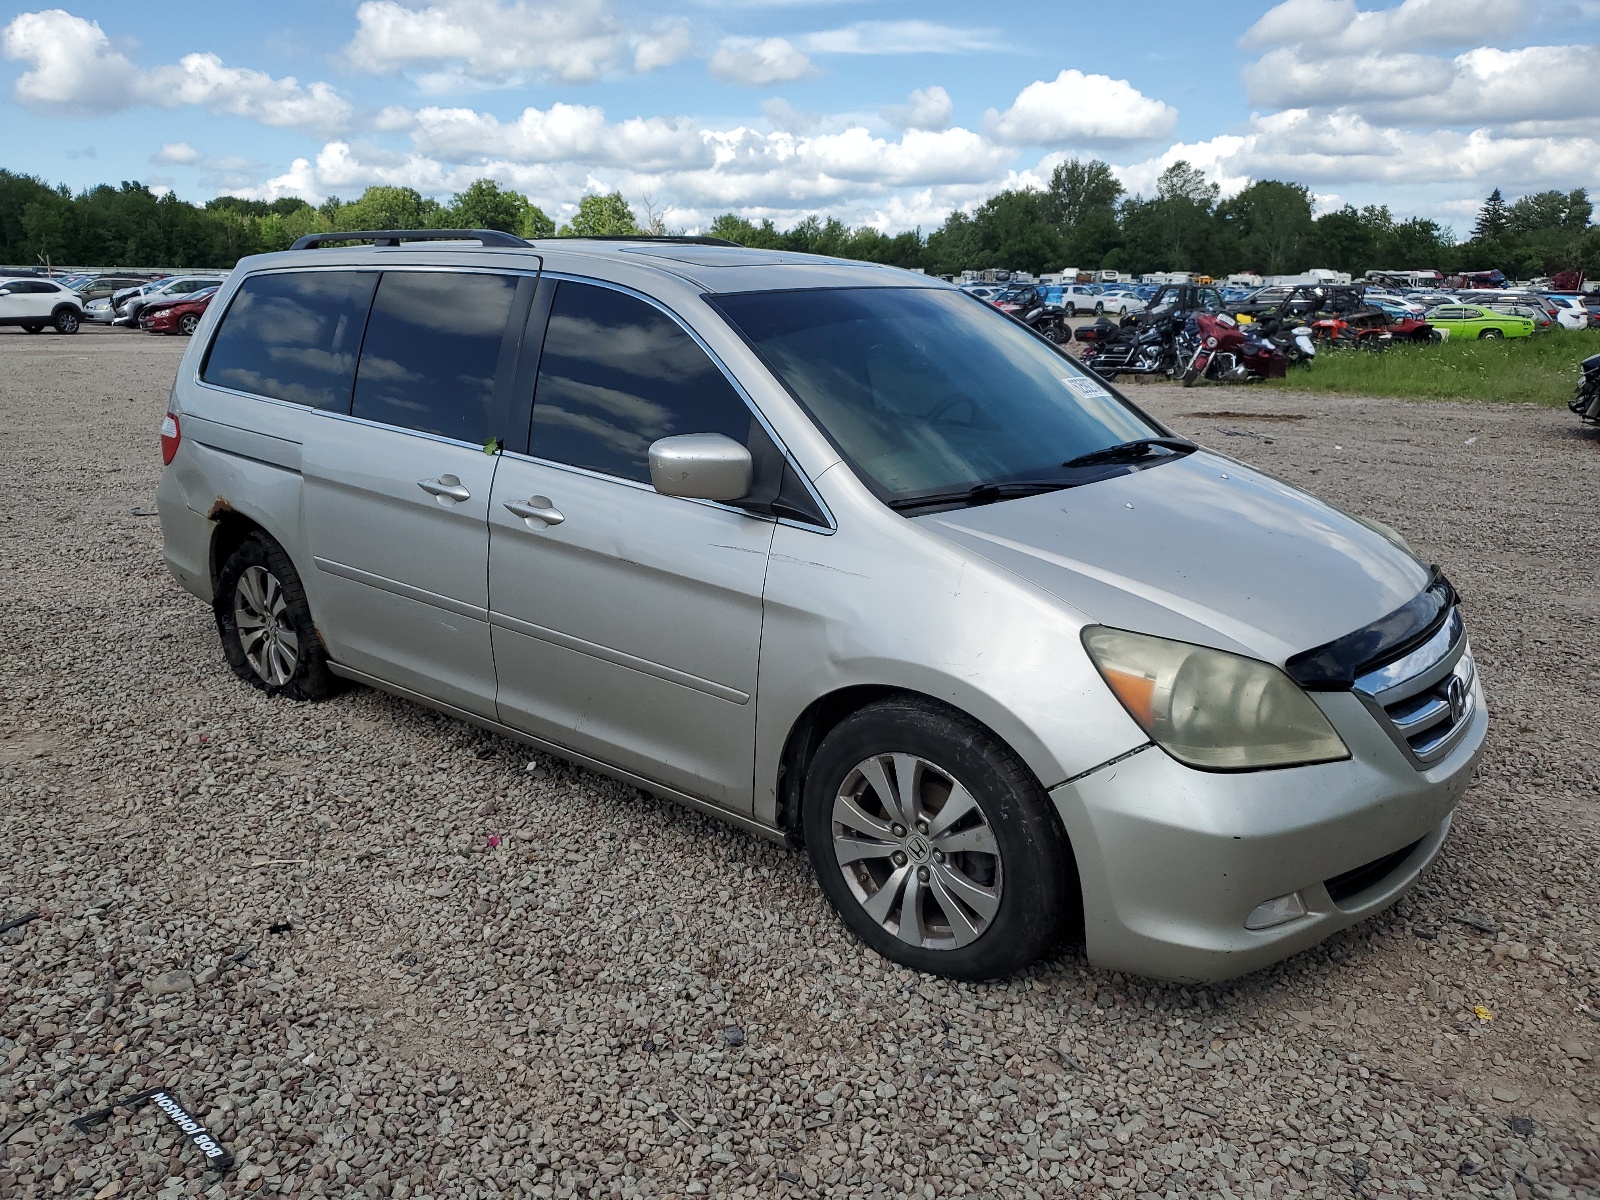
{"x": 1210, "y": 709}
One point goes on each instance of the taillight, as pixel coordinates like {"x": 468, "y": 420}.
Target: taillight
{"x": 169, "y": 438}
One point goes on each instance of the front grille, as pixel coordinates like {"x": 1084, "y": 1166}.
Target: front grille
{"x": 1353, "y": 883}
{"x": 1425, "y": 699}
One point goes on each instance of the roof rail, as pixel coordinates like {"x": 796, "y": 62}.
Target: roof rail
{"x": 393, "y": 237}
{"x": 688, "y": 239}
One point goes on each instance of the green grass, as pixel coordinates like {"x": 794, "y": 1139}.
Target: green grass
{"x": 1542, "y": 369}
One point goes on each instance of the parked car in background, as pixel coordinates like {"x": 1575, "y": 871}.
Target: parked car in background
{"x": 1075, "y": 298}
{"x": 983, "y": 291}
{"x": 36, "y": 303}
{"x": 176, "y": 316}
{"x": 1570, "y": 313}
{"x": 176, "y": 287}
{"x": 1479, "y": 321}
{"x": 93, "y": 287}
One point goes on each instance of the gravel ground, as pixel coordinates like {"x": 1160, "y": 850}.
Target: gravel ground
{"x": 380, "y": 953}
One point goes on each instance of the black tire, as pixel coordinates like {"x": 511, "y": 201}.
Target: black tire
{"x": 1032, "y": 866}
{"x": 309, "y": 678}
{"x": 32, "y": 327}
{"x": 1072, "y": 310}
{"x": 1099, "y": 307}
{"x": 1190, "y": 376}
{"x": 67, "y": 320}
{"x": 188, "y": 323}
{"x": 1489, "y": 335}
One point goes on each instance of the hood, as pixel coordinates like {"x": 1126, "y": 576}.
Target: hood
{"x": 1203, "y": 550}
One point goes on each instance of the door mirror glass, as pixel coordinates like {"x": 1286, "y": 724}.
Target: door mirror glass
{"x": 700, "y": 466}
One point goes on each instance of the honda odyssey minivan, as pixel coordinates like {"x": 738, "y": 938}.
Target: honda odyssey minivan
{"x": 841, "y": 555}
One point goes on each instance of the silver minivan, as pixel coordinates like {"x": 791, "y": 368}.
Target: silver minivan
{"x": 843, "y": 556}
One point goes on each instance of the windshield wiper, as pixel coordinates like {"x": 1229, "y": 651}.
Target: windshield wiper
{"x": 1128, "y": 451}
{"x": 983, "y": 493}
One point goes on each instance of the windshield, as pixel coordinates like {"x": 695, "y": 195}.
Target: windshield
{"x": 925, "y": 391}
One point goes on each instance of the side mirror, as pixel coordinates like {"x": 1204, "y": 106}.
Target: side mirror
{"x": 700, "y": 466}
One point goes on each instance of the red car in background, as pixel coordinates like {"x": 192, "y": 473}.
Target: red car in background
{"x": 180, "y": 316}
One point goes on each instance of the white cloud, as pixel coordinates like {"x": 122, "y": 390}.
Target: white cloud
{"x": 503, "y": 43}
{"x": 1481, "y": 86}
{"x": 902, "y": 37}
{"x": 178, "y": 153}
{"x": 73, "y": 67}
{"x": 756, "y": 62}
{"x": 1338, "y": 27}
{"x": 574, "y": 133}
{"x": 1342, "y": 148}
{"x": 1074, "y": 109}
{"x": 669, "y": 44}
{"x": 74, "y": 70}
{"x": 925, "y": 108}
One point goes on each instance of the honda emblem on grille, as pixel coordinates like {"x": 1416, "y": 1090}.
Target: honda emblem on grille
{"x": 1458, "y": 697}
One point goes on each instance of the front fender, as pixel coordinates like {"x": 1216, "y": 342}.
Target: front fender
{"x": 892, "y": 606}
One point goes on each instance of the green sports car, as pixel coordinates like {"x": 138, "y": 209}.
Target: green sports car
{"x": 1472, "y": 320}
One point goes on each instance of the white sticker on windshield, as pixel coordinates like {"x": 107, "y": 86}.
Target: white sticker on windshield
{"x": 1085, "y": 387}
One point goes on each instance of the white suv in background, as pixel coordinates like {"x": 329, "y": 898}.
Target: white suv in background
{"x": 34, "y": 303}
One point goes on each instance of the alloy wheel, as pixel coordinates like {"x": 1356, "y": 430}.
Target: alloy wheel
{"x": 917, "y": 851}
{"x": 261, "y": 613}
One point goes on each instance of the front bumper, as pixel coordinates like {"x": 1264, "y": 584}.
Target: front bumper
{"x": 1173, "y": 860}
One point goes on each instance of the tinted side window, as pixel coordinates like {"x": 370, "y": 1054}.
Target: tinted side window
{"x": 293, "y": 337}
{"x": 432, "y": 353}
{"x": 616, "y": 375}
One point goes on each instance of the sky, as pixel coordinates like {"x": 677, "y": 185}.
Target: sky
{"x": 881, "y": 112}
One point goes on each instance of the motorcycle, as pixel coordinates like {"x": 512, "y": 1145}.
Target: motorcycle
{"x": 1296, "y": 341}
{"x": 1222, "y": 349}
{"x": 1029, "y": 307}
{"x": 1134, "y": 349}
{"x": 1586, "y": 402}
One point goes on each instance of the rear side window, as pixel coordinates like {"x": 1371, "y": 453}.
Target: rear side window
{"x": 617, "y": 374}
{"x": 294, "y": 337}
{"x": 433, "y": 353}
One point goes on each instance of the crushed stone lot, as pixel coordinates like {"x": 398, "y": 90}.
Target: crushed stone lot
{"x": 378, "y": 952}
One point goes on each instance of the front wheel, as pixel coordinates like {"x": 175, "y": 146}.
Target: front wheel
{"x": 1099, "y": 308}
{"x": 1489, "y": 335}
{"x": 33, "y": 327}
{"x": 66, "y": 321}
{"x": 188, "y": 323}
{"x": 933, "y": 843}
{"x": 265, "y": 624}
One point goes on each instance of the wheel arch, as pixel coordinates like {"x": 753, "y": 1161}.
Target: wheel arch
{"x": 826, "y": 712}
{"x": 231, "y": 529}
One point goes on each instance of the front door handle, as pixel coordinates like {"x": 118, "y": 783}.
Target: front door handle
{"x": 536, "y": 508}
{"x": 446, "y": 487}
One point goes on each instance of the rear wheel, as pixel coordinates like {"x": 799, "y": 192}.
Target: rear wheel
{"x": 66, "y": 321}
{"x": 265, "y": 623}
{"x": 933, "y": 843}
{"x": 34, "y": 327}
{"x": 1488, "y": 335}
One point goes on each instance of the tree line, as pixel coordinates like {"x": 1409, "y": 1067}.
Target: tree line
{"x": 1082, "y": 218}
